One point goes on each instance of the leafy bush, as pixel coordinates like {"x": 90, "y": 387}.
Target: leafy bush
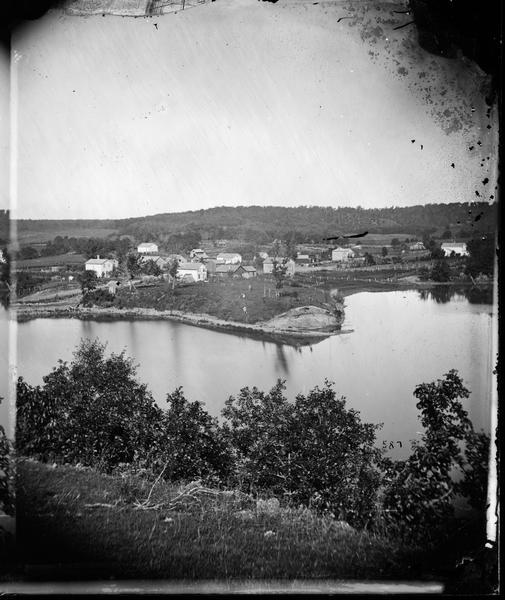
{"x": 100, "y": 297}
{"x": 92, "y": 411}
{"x": 315, "y": 451}
{"x": 334, "y": 457}
{"x": 441, "y": 271}
{"x": 419, "y": 491}
{"x": 258, "y": 426}
{"x": 6, "y": 473}
{"x": 193, "y": 444}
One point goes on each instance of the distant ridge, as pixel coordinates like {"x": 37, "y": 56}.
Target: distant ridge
{"x": 249, "y": 222}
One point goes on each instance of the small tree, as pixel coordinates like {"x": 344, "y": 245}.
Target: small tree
{"x": 369, "y": 259}
{"x": 384, "y": 251}
{"x": 279, "y": 271}
{"x": 91, "y": 411}
{"x": 419, "y": 491}
{"x": 149, "y": 267}
{"x": 194, "y": 444}
{"x": 133, "y": 265}
{"x": 395, "y": 242}
{"x": 441, "y": 271}
{"x": 172, "y": 271}
{"x": 88, "y": 281}
{"x": 257, "y": 426}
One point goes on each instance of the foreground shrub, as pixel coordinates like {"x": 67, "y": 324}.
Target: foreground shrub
{"x": 6, "y": 473}
{"x": 258, "y": 427}
{"x": 419, "y": 492}
{"x": 92, "y": 411}
{"x": 313, "y": 452}
{"x": 192, "y": 445}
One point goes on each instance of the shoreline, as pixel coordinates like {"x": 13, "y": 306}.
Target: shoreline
{"x": 261, "y": 331}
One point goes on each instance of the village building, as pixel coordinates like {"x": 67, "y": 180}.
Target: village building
{"x": 303, "y": 260}
{"x": 224, "y": 270}
{"x": 161, "y": 261}
{"x": 249, "y": 272}
{"x": 228, "y": 258}
{"x": 417, "y": 246}
{"x": 459, "y": 248}
{"x": 178, "y": 257}
{"x": 112, "y": 287}
{"x": 101, "y": 266}
{"x": 268, "y": 265}
{"x": 342, "y": 254}
{"x": 194, "y": 270}
{"x": 147, "y": 248}
{"x": 198, "y": 254}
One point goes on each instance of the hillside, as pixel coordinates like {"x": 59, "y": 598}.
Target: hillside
{"x": 264, "y": 223}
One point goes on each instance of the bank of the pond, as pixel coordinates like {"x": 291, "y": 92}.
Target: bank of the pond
{"x": 300, "y": 326}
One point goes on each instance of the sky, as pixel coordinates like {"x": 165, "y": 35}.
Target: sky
{"x": 240, "y": 102}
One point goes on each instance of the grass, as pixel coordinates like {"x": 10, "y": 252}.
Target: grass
{"x": 52, "y": 261}
{"x": 26, "y": 237}
{"x": 225, "y": 299}
{"x": 77, "y": 524}
{"x": 219, "y": 536}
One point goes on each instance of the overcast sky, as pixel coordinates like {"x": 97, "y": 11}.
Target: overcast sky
{"x": 232, "y": 103}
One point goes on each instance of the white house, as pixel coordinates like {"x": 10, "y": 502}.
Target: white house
{"x": 342, "y": 254}
{"x": 198, "y": 271}
{"x": 228, "y": 258}
{"x": 101, "y": 266}
{"x": 417, "y": 246}
{"x": 268, "y": 265}
{"x": 147, "y": 248}
{"x": 459, "y": 248}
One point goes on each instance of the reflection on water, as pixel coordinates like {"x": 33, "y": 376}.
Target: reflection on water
{"x": 398, "y": 340}
{"x": 445, "y": 293}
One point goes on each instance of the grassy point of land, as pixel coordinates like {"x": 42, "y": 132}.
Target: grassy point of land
{"x": 226, "y": 299}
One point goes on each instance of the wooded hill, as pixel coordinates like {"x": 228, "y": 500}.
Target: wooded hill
{"x": 265, "y": 223}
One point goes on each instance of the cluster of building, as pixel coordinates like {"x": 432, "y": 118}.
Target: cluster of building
{"x": 198, "y": 267}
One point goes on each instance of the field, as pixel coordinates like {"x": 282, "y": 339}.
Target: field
{"x": 26, "y": 238}
{"x": 52, "y": 261}
{"x": 225, "y": 299}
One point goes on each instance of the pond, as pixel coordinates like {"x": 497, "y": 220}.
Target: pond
{"x": 398, "y": 340}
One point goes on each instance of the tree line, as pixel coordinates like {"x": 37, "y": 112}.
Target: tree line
{"x": 314, "y": 451}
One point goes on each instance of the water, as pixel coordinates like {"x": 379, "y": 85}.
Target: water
{"x": 399, "y": 339}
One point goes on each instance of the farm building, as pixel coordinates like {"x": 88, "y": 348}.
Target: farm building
{"x": 197, "y": 271}
{"x": 198, "y": 254}
{"x": 459, "y": 248}
{"x": 112, "y": 287}
{"x": 342, "y": 254}
{"x": 249, "y": 271}
{"x": 101, "y": 266}
{"x": 161, "y": 261}
{"x": 417, "y": 247}
{"x": 147, "y": 248}
{"x": 224, "y": 270}
{"x": 228, "y": 258}
{"x": 268, "y": 265}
